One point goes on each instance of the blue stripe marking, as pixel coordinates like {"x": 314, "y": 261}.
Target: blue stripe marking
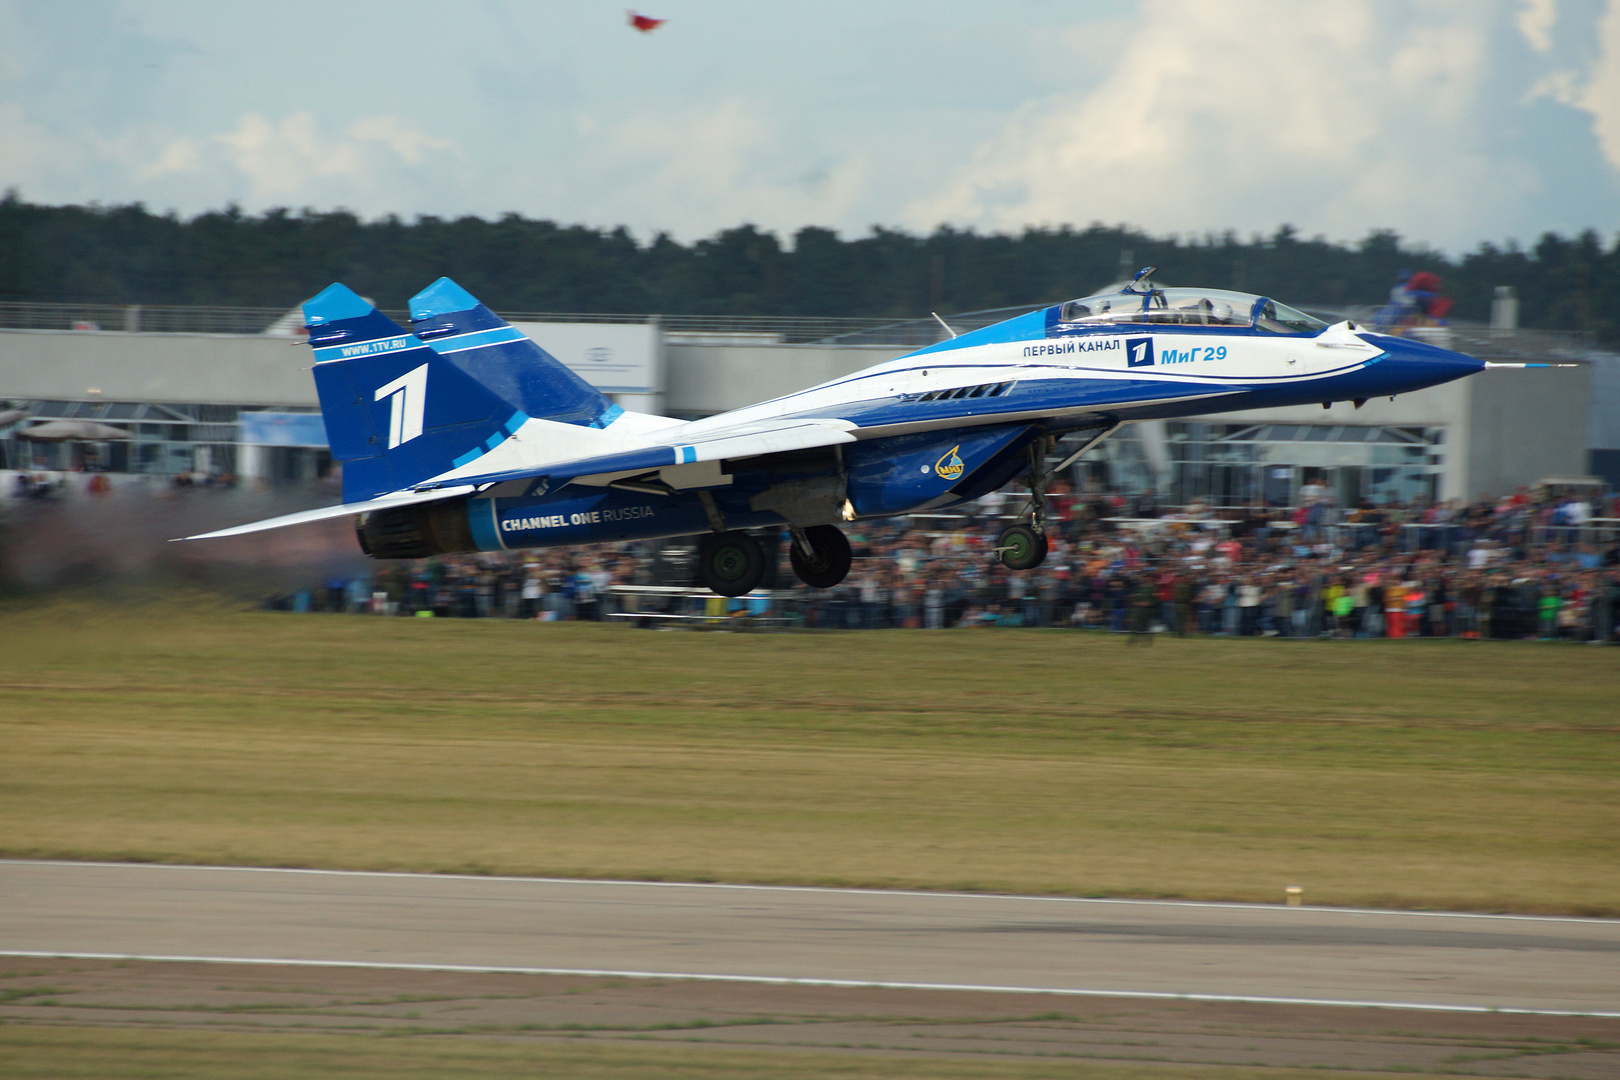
{"x": 515, "y": 421}
{"x": 688, "y": 454}
{"x": 1031, "y": 367}
{"x": 469, "y": 457}
{"x": 1031, "y": 326}
{"x": 500, "y": 335}
{"x": 609, "y": 414}
{"x": 366, "y": 348}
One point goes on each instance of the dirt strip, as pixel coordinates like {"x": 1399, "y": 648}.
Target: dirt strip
{"x": 459, "y": 1005}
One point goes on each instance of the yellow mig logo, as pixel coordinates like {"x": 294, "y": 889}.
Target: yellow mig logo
{"x": 950, "y": 466}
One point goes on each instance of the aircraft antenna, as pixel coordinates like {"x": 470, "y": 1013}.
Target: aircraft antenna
{"x": 943, "y": 323}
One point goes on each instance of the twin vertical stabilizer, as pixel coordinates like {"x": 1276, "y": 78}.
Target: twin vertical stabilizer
{"x": 403, "y": 406}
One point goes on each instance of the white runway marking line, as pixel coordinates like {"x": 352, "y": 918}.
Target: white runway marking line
{"x": 1228, "y": 905}
{"x": 780, "y": 980}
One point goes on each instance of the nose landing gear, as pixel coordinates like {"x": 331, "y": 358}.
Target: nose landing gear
{"x": 1023, "y": 547}
{"x": 1020, "y": 547}
{"x": 820, "y": 556}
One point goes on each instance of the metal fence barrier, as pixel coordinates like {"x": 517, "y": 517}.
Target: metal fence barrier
{"x": 689, "y": 329}
{"x": 699, "y": 609}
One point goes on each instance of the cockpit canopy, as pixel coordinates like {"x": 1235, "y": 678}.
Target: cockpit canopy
{"x": 1190, "y": 307}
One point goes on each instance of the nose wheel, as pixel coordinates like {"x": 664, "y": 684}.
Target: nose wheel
{"x": 1020, "y": 547}
{"x": 730, "y": 563}
{"x": 820, "y": 556}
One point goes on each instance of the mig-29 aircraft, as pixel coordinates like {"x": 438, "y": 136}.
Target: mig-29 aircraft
{"x": 462, "y": 435}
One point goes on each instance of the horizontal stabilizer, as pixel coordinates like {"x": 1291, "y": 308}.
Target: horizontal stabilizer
{"x": 323, "y": 513}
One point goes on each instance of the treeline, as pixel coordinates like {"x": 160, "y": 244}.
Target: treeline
{"x": 126, "y": 254}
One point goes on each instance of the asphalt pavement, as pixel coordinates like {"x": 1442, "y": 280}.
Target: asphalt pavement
{"x": 833, "y": 937}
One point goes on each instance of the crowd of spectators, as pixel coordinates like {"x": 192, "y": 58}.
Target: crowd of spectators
{"x": 1524, "y": 566}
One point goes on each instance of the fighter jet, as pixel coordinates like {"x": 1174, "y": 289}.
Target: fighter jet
{"x": 461, "y": 434}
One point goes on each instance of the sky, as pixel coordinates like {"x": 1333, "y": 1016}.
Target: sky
{"x": 1453, "y": 122}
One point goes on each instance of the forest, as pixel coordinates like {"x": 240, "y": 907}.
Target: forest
{"x": 130, "y": 255}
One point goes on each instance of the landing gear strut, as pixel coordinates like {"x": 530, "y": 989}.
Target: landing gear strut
{"x": 820, "y": 556}
{"x": 730, "y": 563}
{"x": 1023, "y": 547}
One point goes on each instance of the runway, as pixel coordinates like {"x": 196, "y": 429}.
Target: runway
{"x": 1218, "y": 952}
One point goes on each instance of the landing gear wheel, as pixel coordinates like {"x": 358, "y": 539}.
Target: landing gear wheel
{"x": 1022, "y": 548}
{"x": 830, "y": 563}
{"x": 730, "y": 563}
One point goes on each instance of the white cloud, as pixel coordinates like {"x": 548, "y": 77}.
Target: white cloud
{"x": 1536, "y": 20}
{"x": 408, "y": 144}
{"x": 179, "y": 156}
{"x": 289, "y": 159}
{"x": 373, "y": 165}
{"x": 1602, "y": 95}
{"x": 28, "y": 152}
{"x": 1450, "y": 120}
{"x": 1563, "y": 87}
{"x": 699, "y": 168}
{"x": 1228, "y": 115}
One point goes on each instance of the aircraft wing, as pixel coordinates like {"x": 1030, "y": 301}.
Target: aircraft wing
{"x": 385, "y": 502}
{"x": 742, "y": 440}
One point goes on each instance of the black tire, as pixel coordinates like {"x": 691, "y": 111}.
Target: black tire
{"x": 730, "y": 563}
{"x": 831, "y": 561}
{"x": 1022, "y": 548}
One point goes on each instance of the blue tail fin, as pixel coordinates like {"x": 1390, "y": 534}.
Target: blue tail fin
{"x": 488, "y": 349}
{"x": 396, "y": 412}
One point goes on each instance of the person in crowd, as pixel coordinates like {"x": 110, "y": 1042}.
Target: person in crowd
{"x": 1143, "y": 603}
{"x": 1526, "y": 565}
{"x": 1549, "y": 607}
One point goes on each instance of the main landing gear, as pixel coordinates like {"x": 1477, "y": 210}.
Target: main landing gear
{"x": 820, "y": 556}
{"x": 730, "y": 563}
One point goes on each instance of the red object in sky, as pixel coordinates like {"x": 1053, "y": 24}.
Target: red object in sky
{"x": 645, "y": 24}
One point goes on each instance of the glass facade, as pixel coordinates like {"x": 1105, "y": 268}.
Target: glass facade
{"x": 1249, "y": 464}
{"x": 164, "y": 439}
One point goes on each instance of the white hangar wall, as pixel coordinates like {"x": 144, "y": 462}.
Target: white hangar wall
{"x": 705, "y": 378}
{"x": 71, "y": 365}
{"x": 1497, "y": 430}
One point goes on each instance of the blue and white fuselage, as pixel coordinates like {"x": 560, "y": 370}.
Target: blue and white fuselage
{"x": 461, "y": 434}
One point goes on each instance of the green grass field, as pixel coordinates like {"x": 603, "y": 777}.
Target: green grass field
{"x": 82, "y": 1053}
{"x": 1481, "y": 776}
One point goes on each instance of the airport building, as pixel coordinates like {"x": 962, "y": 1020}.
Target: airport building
{"x": 210, "y": 391}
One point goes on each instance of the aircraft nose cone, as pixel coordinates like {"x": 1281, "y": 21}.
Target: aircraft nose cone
{"x": 1446, "y": 363}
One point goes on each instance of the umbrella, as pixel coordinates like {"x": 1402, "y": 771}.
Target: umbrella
{"x": 76, "y": 430}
